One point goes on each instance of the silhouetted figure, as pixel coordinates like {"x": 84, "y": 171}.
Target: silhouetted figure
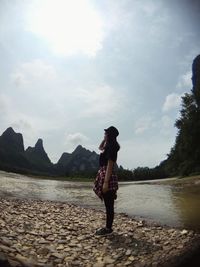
{"x": 106, "y": 183}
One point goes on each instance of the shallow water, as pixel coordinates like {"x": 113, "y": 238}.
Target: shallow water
{"x": 169, "y": 205}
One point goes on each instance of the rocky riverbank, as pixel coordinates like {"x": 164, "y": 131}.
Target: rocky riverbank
{"x": 44, "y": 233}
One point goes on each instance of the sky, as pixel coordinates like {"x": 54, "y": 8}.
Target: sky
{"x": 71, "y": 68}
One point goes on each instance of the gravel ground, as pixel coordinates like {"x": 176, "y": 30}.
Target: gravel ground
{"x": 45, "y": 233}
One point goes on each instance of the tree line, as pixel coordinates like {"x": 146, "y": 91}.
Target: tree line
{"x": 184, "y": 157}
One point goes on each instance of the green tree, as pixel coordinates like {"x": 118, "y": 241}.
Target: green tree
{"x": 184, "y": 157}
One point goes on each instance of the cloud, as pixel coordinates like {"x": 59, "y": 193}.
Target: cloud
{"x": 32, "y": 126}
{"x": 149, "y": 8}
{"x": 29, "y": 73}
{"x": 185, "y": 81}
{"x": 4, "y": 104}
{"x": 75, "y": 139}
{"x": 100, "y": 101}
{"x": 172, "y": 101}
{"x": 135, "y": 153}
{"x": 22, "y": 125}
{"x": 144, "y": 124}
{"x": 167, "y": 124}
{"x": 68, "y": 27}
{"x": 12, "y": 117}
{"x": 166, "y": 121}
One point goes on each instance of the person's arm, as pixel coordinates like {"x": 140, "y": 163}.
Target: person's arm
{"x": 108, "y": 175}
{"x": 102, "y": 145}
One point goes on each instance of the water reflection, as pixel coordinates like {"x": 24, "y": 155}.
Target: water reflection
{"x": 187, "y": 202}
{"x": 149, "y": 201}
{"x": 164, "y": 204}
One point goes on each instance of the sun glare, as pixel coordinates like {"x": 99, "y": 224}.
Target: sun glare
{"x": 69, "y": 26}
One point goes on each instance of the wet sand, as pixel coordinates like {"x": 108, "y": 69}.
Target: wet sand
{"x": 45, "y": 233}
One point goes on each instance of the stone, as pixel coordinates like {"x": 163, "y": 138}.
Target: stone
{"x": 99, "y": 264}
{"x": 20, "y": 231}
{"x": 155, "y": 264}
{"x": 6, "y": 248}
{"x": 127, "y": 263}
{"x": 184, "y": 232}
{"x": 67, "y": 249}
{"x": 180, "y": 246}
{"x": 28, "y": 262}
{"x": 58, "y": 255}
{"x": 60, "y": 247}
{"x": 128, "y": 252}
{"x": 42, "y": 241}
{"x": 6, "y": 241}
{"x": 139, "y": 264}
{"x": 131, "y": 258}
{"x": 62, "y": 241}
{"x": 108, "y": 260}
{"x": 43, "y": 251}
{"x": 50, "y": 238}
{"x": 72, "y": 244}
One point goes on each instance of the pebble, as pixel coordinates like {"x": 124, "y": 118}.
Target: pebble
{"x": 6, "y": 241}
{"x": 128, "y": 252}
{"x": 184, "y": 232}
{"x": 62, "y": 235}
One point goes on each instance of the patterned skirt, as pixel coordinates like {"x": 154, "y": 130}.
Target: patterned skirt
{"x": 98, "y": 183}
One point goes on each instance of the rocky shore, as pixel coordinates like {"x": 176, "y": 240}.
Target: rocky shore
{"x": 44, "y": 233}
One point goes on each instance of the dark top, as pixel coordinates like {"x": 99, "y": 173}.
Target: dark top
{"x": 110, "y": 153}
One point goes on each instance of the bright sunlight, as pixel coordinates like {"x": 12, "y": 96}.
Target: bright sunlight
{"x": 68, "y": 26}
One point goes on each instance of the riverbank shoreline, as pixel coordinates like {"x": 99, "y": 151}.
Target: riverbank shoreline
{"x": 175, "y": 181}
{"x": 46, "y": 233}
{"x": 187, "y": 180}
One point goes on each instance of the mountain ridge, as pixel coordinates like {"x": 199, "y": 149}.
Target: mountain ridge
{"x": 35, "y": 160}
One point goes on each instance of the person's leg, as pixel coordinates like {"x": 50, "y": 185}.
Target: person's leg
{"x": 109, "y": 204}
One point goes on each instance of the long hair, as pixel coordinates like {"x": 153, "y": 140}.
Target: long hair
{"x": 112, "y": 142}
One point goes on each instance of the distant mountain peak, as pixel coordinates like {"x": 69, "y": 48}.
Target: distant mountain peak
{"x": 35, "y": 159}
{"x": 12, "y": 140}
{"x": 78, "y": 148}
{"x": 39, "y": 144}
{"x": 9, "y": 130}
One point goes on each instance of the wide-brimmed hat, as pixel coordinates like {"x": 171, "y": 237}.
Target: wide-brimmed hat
{"x": 112, "y": 131}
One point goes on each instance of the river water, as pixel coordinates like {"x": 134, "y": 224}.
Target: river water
{"x": 164, "y": 204}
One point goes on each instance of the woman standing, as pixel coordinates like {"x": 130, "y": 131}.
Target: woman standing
{"x": 106, "y": 183}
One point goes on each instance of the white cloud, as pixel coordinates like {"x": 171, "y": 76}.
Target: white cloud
{"x": 144, "y": 124}
{"x": 135, "y": 153}
{"x": 32, "y": 126}
{"x": 4, "y": 104}
{"x": 185, "y": 81}
{"x": 32, "y": 72}
{"x": 75, "y": 139}
{"x": 172, "y": 101}
{"x": 166, "y": 121}
{"x": 69, "y": 27}
{"x": 22, "y": 125}
{"x": 100, "y": 101}
{"x": 167, "y": 124}
{"x": 149, "y": 8}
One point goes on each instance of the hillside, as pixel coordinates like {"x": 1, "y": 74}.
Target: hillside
{"x": 35, "y": 160}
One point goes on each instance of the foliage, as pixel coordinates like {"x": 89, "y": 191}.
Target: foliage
{"x": 125, "y": 175}
{"x": 184, "y": 156}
